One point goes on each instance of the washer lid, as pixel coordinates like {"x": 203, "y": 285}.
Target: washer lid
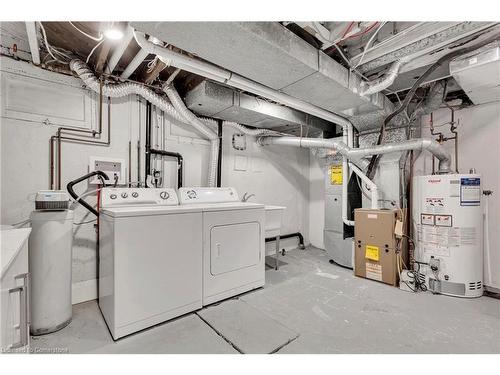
{"x": 224, "y": 206}
{"x": 145, "y": 210}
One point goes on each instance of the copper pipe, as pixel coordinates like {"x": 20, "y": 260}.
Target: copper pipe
{"x": 60, "y": 137}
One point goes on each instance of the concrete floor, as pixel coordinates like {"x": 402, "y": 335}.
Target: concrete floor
{"x": 308, "y": 306}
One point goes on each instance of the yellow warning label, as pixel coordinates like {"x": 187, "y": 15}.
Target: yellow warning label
{"x": 372, "y": 253}
{"x": 336, "y": 175}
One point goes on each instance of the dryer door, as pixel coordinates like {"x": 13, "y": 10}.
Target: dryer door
{"x": 233, "y": 247}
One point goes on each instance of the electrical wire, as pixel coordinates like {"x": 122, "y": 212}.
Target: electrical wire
{"x": 51, "y": 49}
{"x": 367, "y": 46}
{"x": 85, "y": 222}
{"x": 365, "y": 31}
{"x": 93, "y": 49}
{"x": 97, "y": 39}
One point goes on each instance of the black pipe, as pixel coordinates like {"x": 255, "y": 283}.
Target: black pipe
{"x": 148, "y": 143}
{"x": 180, "y": 162}
{"x": 219, "y": 159}
{"x": 291, "y": 235}
{"x": 150, "y": 151}
{"x": 103, "y": 176}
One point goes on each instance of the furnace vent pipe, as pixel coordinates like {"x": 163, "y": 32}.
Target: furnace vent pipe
{"x": 371, "y": 185}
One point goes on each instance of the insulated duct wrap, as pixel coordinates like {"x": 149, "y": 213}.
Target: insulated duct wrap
{"x": 357, "y": 155}
{"x": 370, "y": 88}
{"x": 188, "y": 116}
{"x": 123, "y": 89}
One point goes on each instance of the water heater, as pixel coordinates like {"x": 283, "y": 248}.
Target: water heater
{"x": 448, "y": 233}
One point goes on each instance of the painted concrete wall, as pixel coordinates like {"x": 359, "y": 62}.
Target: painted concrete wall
{"x": 316, "y": 203}
{"x": 479, "y": 148}
{"x": 277, "y": 177}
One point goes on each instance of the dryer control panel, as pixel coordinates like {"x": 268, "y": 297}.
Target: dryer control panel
{"x": 190, "y": 195}
{"x": 113, "y": 197}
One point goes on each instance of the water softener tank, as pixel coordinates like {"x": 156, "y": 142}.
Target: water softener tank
{"x": 448, "y": 232}
{"x": 50, "y": 253}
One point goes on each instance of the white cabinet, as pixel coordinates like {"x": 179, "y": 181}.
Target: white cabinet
{"x": 14, "y": 286}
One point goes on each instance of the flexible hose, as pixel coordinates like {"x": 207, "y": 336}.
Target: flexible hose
{"x": 119, "y": 90}
{"x": 190, "y": 117}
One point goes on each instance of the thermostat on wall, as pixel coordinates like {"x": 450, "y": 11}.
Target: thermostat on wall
{"x": 113, "y": 167}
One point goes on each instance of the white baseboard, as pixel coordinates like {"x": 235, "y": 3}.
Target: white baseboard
{"x": 84, "y": 291}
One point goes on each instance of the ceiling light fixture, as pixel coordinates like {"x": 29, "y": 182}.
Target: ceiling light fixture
{"x": 113, "y": 33}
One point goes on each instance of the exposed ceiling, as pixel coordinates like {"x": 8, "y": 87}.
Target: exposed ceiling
{"x": 323, "y": 63}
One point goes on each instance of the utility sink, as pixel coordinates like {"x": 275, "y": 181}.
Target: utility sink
{"x": 274, "y": 215}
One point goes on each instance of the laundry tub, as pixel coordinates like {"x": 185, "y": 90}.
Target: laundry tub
{"x": 274, "y": 217}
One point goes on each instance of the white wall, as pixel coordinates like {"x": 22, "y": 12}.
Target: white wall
{"x": 276, "y": 176}
{"x": 316, "y": 203}
{"x": 479, "y": 148}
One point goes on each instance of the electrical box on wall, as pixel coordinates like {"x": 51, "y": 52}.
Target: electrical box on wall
{"x": 113, "y": 167}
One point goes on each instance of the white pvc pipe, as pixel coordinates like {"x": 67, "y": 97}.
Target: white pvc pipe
{"x": 373, "y": 187}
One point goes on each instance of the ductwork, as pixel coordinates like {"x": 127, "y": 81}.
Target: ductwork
{"x": 372, "y": 87}
{"x": 433, "y": 102}
{"x": 177, "y": 111}
{"x": 358, "y": 154}
{"x": 123, "y": 89}
{"x": 221, "y": 75}
{"x": 242, "y": 129}
{"x": 194, "y": 121}
{"x": 218, "y": 74}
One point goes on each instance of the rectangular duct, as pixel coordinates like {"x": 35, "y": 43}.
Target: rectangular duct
{"x": 479, "y": 74}
{"x": 215, "y": 100}
{"x": 272, "y": 55}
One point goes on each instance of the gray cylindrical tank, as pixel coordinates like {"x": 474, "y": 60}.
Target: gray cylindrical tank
{"x": 50, "y": 255}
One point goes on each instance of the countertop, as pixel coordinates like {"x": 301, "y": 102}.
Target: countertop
{"x": 12, "y": 241}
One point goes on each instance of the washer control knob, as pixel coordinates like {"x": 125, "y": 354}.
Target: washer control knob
{"x": 124, "y": 195}
{"x": 164, "y": 195}
{"x": 113, "y": 196}
{"x": 135, "y": 194}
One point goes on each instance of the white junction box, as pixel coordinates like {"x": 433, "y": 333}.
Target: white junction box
{"x": 113, "y": 167}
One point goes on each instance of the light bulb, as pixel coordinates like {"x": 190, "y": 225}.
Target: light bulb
{"x": 113, "y": 34}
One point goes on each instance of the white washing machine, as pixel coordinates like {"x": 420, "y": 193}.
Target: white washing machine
{"x": 233, "y": 241}
{"x": 150, "y": 267}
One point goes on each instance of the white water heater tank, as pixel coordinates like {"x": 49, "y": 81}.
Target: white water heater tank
{"x": 50, "y": 249}
{"x": 448, "y": 233}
